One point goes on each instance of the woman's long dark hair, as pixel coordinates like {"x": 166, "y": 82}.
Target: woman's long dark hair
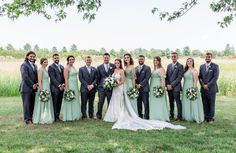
{"x": 26, "y": 56}
{"x": 131, "y": 59}
{"x": 68, "y": 57}
{"x": 186, "y": 65}
{"x": 159, "y": 60}
{"x": 119, "y": 60}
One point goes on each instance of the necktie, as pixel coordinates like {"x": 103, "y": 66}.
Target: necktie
{"x": 140, "y": 68}
{"x": 58, "y": 67}
{"x": 89, "y": 69}
{"x": 32, "y": 65}
{"x": 207, "y": 67}
{"x": 106, "y": 66}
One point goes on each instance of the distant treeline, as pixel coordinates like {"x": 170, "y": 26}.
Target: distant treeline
{"x": 10, "y": 51}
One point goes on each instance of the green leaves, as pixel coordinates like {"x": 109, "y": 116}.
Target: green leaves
{"x": 50, "y": 9}
{"x": 227, "y": 7}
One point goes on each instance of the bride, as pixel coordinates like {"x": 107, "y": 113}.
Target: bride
{"x": 120, "y": 110}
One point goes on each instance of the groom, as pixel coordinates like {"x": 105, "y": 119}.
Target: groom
{"x": 143, "y": 74}
{"x": 208, "y": 76}
{"x": 103, "y": 71}
{"x": 57, "y": 85}
{"x": 28, "y": 85}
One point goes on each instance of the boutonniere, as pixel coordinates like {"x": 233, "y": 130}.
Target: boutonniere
{"x": 175, "y": 67}
{"x": 110, "y": 68}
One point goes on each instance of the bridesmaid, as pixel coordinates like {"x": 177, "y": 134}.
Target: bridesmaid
{"x": 130, "y": 78}
{"x": 158, "y": 106}
{"x": 43, "y": 111}
{"x": 192, "y": 110}
{"x": 71, "y": 109}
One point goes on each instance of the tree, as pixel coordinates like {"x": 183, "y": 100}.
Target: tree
{"x": 73, "y": 48}
{"x": 1, "y": 48}
{"x": 228, "y": 50}
{"x": 113, "y": 53}
{"x": 10, "y": 47}
{"x": 27, "y": 47}
{"x": 225, "y": 7}
{"x": 178, "y": 51}
{"x": 50, "y": 9}
{"x": 64, "y": 49}
{"x": 36, "y": 48}
{"x": 54, "y": 49}
{"x": 186, "y": 51}
{"x": 196, "y": 52}
{"x": 56, "y": 9}
{"x": 102, "y": 51}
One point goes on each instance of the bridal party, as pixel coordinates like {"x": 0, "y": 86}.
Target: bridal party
{"x": 138, "y": 97}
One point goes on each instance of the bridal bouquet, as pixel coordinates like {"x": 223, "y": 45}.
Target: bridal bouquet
{"x": 69, "y": 95}
{"x": 191, "y": 94}
{"x": 158, "y": 91}
{"x": 109, "y": 83}
{"x": 133, "y": 93}
{"x": 44, "y": 96}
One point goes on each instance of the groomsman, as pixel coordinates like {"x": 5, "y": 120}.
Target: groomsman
{"x": 57, "y": 85}
{"x": 88, "y": 79}
{"x": 28, "y": 85}
{"x": 104, "y": 70}
{"x": 173, "y": 80}
{"x": 208, "y": 76}
{"x": 143, "y": 74}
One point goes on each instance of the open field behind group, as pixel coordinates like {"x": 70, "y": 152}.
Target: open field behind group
{"x": 10, "y": 73}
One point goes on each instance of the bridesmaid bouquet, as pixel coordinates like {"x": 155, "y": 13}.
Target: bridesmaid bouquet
{"x": 69, "y": 95}
{"x": 44, "y": 96}
{"x": 109, "y": 83}
{"x": 158, "y": 91}
{"x": 133, "y": 93}
{"x": 191, "y": 94}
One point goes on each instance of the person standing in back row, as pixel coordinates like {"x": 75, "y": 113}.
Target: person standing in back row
{"x": 174, "y": 76}
{"x": 88, "y": 87}
{"x": 208, "y": 76}
{"x": 57, "y": 85}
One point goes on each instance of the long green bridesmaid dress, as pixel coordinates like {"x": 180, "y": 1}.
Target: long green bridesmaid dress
{"x": 129, "y": 76}
{"x": 157, "y": 106}
{"x": 43, "y": 111}
{"x": 191, "y": 110}
{"x": 71, "y": 109}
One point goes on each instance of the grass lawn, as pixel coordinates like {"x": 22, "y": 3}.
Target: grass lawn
{"x": 97, "y": 136}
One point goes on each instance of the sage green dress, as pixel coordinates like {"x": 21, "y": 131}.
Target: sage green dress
{"x": 157, "y": 106}
{"x": 191, "y": 110}
{"x": 43, "y": 111}
{"x": 129, "y": 76}
{"x": 71, "y": 109}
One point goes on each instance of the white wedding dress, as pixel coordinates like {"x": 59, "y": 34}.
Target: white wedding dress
{"x": 121, "y": 112}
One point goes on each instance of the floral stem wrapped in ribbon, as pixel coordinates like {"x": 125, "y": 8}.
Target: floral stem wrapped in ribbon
{"x": 69, "y": 95}
{"x": 158, "y": 91}
{"x": 44, "y": 96}
{"x": 191, "y": 94}
{"x": 133, "y": 93}
{"x": 109, "y": 83}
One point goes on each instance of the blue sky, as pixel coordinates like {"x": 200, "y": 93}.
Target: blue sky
{"x": 126, "y": 24}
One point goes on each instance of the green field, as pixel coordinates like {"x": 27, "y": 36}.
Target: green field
{"x": 98, "y": 137}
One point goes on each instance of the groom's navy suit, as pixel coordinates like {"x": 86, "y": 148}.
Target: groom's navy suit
{"x": 56, "y": 79}
{"x": 87, "y": 78}
{"x": 102, "y": 74}
{"x": 29, "y": 77}
{"x": 209, "y": 76}
{"x": 174, "y": 76}
{"x": 142, "y": 78}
